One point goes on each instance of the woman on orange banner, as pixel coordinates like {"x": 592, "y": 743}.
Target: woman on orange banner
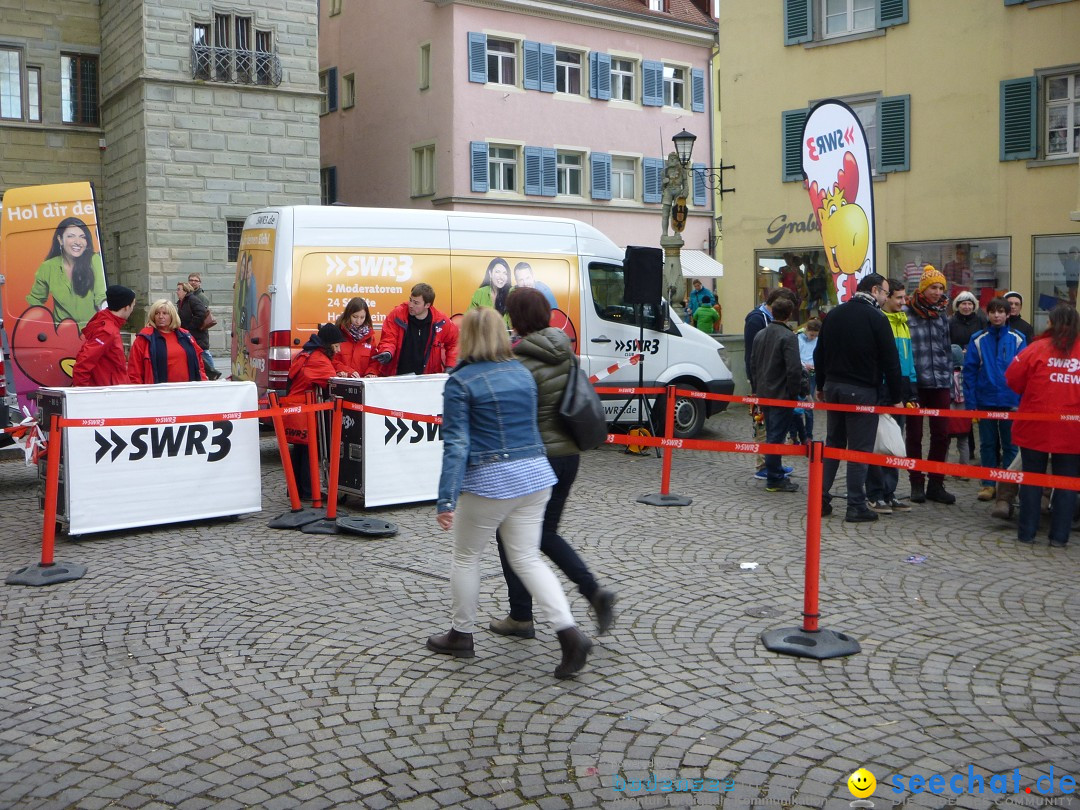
{"x": 311, "y": 369}
{"x": 1045, "y": 376}
{"x": 162, "y": 352}
{"x": 72, "y": 274}
{"x": 356, "y": 327}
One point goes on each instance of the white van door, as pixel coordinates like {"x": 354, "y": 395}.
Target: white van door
{"x": 612, "y": 334}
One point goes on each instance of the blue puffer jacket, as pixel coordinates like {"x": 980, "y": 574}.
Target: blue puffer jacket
{"x": 988, "y": 355}
{"x": 489, "y": 415}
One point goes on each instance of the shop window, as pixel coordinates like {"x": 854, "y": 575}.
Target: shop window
{"x": 983, "y": 266}
{"x": 821, "y": 20}
{"x": 804, "y": 271}
{"x": 1057, "y": 272}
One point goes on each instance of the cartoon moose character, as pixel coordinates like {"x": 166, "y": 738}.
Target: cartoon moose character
{"x": 845, "y": 230}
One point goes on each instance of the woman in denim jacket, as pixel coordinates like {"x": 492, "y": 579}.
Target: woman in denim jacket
{"x": 496, "y": 476}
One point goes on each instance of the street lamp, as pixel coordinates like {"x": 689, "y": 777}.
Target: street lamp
{"x": 684, "y": 146}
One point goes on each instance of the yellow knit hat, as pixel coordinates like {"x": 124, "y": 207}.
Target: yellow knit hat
{"x": 931, "y": 275}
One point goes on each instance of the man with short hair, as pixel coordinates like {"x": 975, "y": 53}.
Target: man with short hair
{"x": 756, "y": 320}
{"x": 525, "y": 277}
{"x": 1016, "y": 303}
{"x": 416, "y": 337}
{"x": 192, "y": 314}
{"x": 696, "y": 295}
{"x": 855, "y": 351}
{"x": 777, "y": 374}
{"x": 101, "y": 360}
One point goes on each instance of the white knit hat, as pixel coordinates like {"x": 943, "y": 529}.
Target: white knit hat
{"x": 966, "y": 295}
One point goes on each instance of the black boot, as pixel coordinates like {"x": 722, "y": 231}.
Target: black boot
{"x": 936, "y": 493}
{"x": 603, "y": 602}
{"x": 453, "y": 643}
{"x": 918, "y": 494}
{"x": 575, "y": 649}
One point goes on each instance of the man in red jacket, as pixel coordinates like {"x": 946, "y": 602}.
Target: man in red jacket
{"x": 101, "y": 360}
{"x": 416, "y": 337}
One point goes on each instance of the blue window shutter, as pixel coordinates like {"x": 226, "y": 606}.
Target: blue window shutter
{"x": 331, "y": 184}
{"x": 478, "y": 153}
{"x": 603, "y": 76}
{"x": 331, "y": 89}
{"x": 894, "y": 134}
{"x": 891, "y": 12}
{"x": 700, "y": 189}
{"x": 798, "y": 21}
{"x": 697, "y": 90}
{"x": 533, "y": 169}
{"x": 547, "y": 68}
{"x": 531, "y": 78}
{"x": 477, "y": 57}
{"x": 592, "y": 73}
{"x": 1019, "y": 101}
{"x": 549, "y": 177}
{"x": 600, "y": 170}
{"x": 791, "y": 126}
{"x": 652, "y": 84}
{"x": 653, "y": 169}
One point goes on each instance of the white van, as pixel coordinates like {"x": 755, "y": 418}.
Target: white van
{"x": 298, "y": 266}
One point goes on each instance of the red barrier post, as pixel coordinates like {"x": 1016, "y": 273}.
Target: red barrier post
{"x": 669, "y": 443}
{"x": 335, "y": 461}
{"x": 313, "y": 456}
{"x": 283, "y": 449}
{"x": 669, "y": 432}
{"x": 813, "y": 538}
{"x": 52, "y": 485}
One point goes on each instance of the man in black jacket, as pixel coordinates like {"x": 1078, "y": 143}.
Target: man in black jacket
{"x": 756, "y": 320}
{"x": 855, "y": 351}
{"x": 776, "y": 373}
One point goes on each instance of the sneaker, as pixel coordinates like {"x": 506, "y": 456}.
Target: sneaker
{"x": 763, "y": 474}
{"x": 899, "y": 506}
{"x": 881, "y": 507}
{"x": 860, "y": 514}
{"x": 987, "y": 493}
{"x": 784, "y": 485}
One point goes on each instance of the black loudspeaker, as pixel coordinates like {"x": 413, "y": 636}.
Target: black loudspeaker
{"x": 643, "y": 275}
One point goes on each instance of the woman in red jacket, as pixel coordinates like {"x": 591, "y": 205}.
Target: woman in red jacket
{"x": 163, "y": 352}
{"x": 356, "y": 349}
{"x": 1046, "y": 375}
{"x": 310, "y": 369}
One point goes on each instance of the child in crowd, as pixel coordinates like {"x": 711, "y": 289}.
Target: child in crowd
{"x": 959, "y": 427}
{"x": 706, "y": 318}
{"x": 802, "y": 429}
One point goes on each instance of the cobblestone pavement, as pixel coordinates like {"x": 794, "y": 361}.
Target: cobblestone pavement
{"x": 225, "y": 664}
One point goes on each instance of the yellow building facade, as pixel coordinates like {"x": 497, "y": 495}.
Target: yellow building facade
{"x": 972, "y": 113}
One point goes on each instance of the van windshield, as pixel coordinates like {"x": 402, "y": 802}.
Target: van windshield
{"x": 608, "y": 288}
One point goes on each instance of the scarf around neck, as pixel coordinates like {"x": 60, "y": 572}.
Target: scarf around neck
{"x": 359, "y": 333}
{"x": 924, "y": 309}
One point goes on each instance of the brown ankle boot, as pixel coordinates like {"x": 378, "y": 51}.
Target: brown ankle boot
{"x": 1006, "y": 497}
{"x": 575, "y": 649}
{"x": 453, "y": 643}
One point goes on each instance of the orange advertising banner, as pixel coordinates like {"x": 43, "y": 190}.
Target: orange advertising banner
{"x": 54, "y": 279}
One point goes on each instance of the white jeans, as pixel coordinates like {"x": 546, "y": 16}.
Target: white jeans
{"x": 520, "y": 521}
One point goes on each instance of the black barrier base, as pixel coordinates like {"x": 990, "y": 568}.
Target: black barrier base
{"x": 38, "y": 574}
{"x": 819, "y": 644}
{"x": 324, "y": 526}
{"x": 366, "y": 526}
{"x": 657, "y": 499}
{"x": 294, "y": 520}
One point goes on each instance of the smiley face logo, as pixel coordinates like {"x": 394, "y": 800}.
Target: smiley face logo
{"x": 862, "y": 784}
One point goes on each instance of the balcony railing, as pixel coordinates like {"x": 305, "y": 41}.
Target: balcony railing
{"x": 235, "y": 66}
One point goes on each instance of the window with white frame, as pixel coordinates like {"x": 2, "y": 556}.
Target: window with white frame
{"x": 502, "y": 168}
{"x": 657, "y": 5}
{"x": 79, "y": 89}
{"x": 567, "y": 72}
{"x": 11, "y": 84}
{"x": 501, "y": 61}
{"x": 867, "y": 112}
{"x": 425, "y": 66}
{"x": 568, "y": 171}
{"x": 1062, "y": 115}
{"x": 623, "y": 176}
{"x": 622, "y": 79}
{"x": 423, "y": 170}
{"x": 674, "y": 87}
{"x": 841, "y": 17}
{"x": 33, "y": 94}
{"x": 324, "y": 92}
{"x": 348, "y": 91}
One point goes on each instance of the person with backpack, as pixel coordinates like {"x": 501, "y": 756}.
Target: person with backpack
{"x": 194, "y": 309}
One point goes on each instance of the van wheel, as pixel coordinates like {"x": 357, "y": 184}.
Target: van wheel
{"x": 690, "y": 415}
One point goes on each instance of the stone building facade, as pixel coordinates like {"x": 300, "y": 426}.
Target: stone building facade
{"x": 194, "y": 116}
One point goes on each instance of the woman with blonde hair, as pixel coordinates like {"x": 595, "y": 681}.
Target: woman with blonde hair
{"x": 496, "y": 477}
{"x": 162, "y": 351}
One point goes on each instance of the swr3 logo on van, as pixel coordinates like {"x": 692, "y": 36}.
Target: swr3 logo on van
{"x": 420, "y": 431}
{"x": 395, "y": 267}
{"x": 171, "y": 441}
{"x": 650, "y": 345}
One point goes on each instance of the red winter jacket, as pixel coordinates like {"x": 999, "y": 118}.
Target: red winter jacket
{"x": 441, "y": 351}
{"x": 310, "y": 369}
{"x": 1047, "y": 383}
{"x": 355, "y": 355}
{"x": 179, "y": 364}
{"x": 101, "y": 360}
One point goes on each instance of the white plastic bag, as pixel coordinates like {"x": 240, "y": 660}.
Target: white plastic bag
{"x": 889, "y": 441}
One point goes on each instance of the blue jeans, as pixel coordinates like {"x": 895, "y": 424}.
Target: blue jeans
{"x": 1063, "y": 502}
{"x": 995, "y": 443}
{"x": 854, "y": 431}
{"x": 777, "y": 425}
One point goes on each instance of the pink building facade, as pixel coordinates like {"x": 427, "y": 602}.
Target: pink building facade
{"x": 539, "y": 107}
